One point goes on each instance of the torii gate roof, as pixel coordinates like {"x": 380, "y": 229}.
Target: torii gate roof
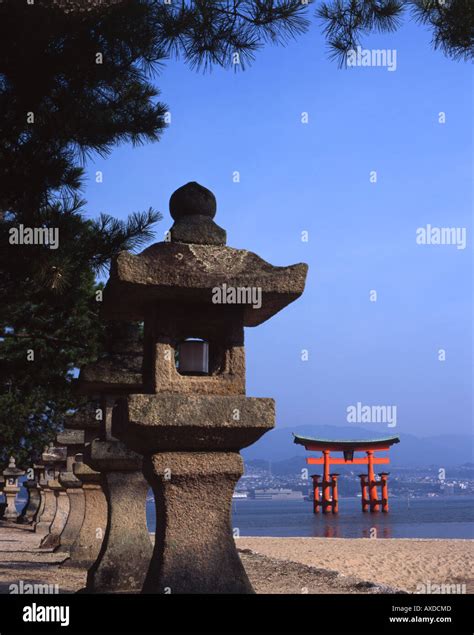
{"x": 311, "y": 443}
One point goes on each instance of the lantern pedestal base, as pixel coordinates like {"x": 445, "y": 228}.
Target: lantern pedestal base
{"x": 85, "y": 550}
{"x": 48, "y": 513}
{"x": 52, "y": 539}
{"x": 76, "y": 511}
{"x": 10, "y": 512}
{"x": 126, "y": 550}
{"x": 194, "y": 545}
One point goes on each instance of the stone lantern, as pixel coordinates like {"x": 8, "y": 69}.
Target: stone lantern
{"x": 52, "y": 461}
{"x": 195, "y": 296}
{"x": 126, "y": 551}
{"x": 74, "y": 441}
{"x": 11, "y": 489}
{"x": 84, "y": 550}
{"x": 70, "y": 504}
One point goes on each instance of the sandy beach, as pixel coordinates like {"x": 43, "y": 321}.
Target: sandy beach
{"x": 398, "y": 563}
{"x": 283, "y": 565}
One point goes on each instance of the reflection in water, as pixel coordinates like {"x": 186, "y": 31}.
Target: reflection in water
{"x": 444, "y": 517}
{"x": 331, "y": 531}
{"x": 376, "y": 531}
{"x": 332, "y": 528}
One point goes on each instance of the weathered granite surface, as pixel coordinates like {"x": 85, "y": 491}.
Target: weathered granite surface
{"x": 39, "y": 470}
{"x": 52, "y": 539}
{"x": 111, "y": 455}
{"x": 55, "y": 512}
{"x": 126, "y": 550}
{"x": 85, "y": 417}
{"x": 48, "y": 511}
{"x": 54, "y": 455}
{"x": 152, "y": 423}
{"x": 74, "y": 440}
{"x": 222, "y": 328}
{"x": 194, "y": 546}
{"x": 86, "y": 548}
{"x": 71, "y": 437}
{"x": 190, "y": 272}
{"x": 193, "y": 207}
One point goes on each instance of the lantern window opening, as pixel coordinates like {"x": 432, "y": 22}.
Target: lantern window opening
{"x": 192, "y": 357}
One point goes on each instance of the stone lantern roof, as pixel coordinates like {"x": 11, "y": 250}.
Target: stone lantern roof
{"x": 194, "y": 263}
{"x": 71, "y": 437}
{"x": 84, "y": 418}
{"x": 12, "y": 469}
{"x": 54, "y": 454}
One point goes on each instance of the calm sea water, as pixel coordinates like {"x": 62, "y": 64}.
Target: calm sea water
{"x": 418, "y": 518}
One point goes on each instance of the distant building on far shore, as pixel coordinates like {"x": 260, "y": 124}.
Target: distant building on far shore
{"x": 278, "y": 494}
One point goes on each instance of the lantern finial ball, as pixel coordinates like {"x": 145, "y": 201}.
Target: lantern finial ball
{"x": 192, "y": 199}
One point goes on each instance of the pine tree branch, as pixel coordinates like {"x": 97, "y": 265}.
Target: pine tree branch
{"x": 44, "y": 337}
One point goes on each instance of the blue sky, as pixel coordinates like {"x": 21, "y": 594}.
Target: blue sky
{"x": 314, "y": 177}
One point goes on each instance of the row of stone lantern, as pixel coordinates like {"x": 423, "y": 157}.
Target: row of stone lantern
{"x": 56, "y": 505}
{"x": 71, "y": 511}
{"x": 173, "y": 413}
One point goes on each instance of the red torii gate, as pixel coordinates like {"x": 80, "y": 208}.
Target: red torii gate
{"x": 329, "y": 499}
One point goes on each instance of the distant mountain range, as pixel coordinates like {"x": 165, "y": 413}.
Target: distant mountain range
{"x": 412, "y": 451}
